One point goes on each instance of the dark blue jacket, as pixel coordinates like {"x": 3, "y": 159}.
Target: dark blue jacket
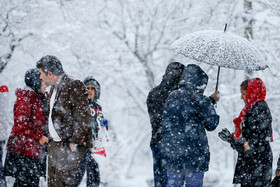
{"x": 187, "y": 114}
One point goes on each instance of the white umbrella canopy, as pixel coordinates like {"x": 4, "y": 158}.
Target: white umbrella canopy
{"x": 222, "y": 49}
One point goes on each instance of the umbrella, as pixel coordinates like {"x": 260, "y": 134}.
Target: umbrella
{"x": 220, "y": 48}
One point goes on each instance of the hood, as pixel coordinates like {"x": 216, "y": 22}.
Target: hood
{"x": 24, "y": 92}
{"x": 32, "y": 79}
{"x": 256, "y": 91}
{"x": 172, "y": 75}
{"x": 90, "y": 81}
{"x": 194, "y": 78}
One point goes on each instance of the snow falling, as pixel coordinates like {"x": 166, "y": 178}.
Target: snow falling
{"x": 126, "y": 45}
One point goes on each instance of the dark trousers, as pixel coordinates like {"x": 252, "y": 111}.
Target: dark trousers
{"x": 93, "y": 176}
{"x": 43, "y": 162}
{"x": 63, "y": 164}
{"x": 24, "y": 169}
{"x": 2, "y": 177}
{"x": 160, "y": 177}
{"x": 190, "y": 179}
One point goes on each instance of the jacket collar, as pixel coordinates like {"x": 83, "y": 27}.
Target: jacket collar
{"x": 59, "y": 85}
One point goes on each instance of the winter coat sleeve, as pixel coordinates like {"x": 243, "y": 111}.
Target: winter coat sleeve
{"x": 238, "y": 144}
{"x": 207, "y": 114}
{"x": 80, "y": 111}
{"x": 154, "y": 108}
{"x": 154, "y": 111}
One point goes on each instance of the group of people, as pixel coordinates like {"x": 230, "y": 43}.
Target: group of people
{"x": 53, "y": 132}
{"x": 62, "y": 126}
{"x": 180, "y": 115}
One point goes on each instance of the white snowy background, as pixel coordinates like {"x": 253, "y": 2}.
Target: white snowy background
{"x": 125, "y": 45}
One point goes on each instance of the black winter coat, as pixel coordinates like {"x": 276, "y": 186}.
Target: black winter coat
{"x": 157, "y": 98}
{"x": 254, "y": 167}
{"x": 187, "y": 114}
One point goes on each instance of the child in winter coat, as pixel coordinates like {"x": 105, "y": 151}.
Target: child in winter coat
{"x": 97, "y": 122}
{"x": 25, "y": 142}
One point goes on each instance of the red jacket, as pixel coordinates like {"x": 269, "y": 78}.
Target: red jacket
{"x": 29, "y": 122}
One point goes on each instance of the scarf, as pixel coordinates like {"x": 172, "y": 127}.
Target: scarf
{"x": 256, "y": 91}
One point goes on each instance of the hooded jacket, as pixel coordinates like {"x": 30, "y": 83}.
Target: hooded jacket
{"x": 29, "y": 118}
{"x": 157, "y": 98}
{"x": 187, "y": 114}
{"x": 90, "y": 81}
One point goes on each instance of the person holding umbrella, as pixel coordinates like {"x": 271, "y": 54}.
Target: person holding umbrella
{"x": 187, "y": 115}
{"x": 252, "y": 135}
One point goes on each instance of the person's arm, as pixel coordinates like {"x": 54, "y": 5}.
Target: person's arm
{"x": 208, "y": 116}
{"x": 236, "y": 144}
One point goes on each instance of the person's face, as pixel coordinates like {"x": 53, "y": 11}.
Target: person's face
{"x": 91, "y": 92}
{"x": 43, "y": 87}
{"x": 243, "y": 95}
{"x": 46, "y": 78}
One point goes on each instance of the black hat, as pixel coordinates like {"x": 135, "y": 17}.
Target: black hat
{"x": 32, "y": 79}
{"x": 91, "y": 82}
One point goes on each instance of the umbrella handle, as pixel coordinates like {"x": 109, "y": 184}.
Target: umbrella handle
{"x": 217, "y": 83}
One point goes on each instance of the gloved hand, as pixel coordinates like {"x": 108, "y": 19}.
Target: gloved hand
{"x": 225, "y": 135}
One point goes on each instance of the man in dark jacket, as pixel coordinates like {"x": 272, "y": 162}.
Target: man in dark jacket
{"x": 187, "y": 114}
{"x": 155, "y": 102}
{"x": 69, "y": 122}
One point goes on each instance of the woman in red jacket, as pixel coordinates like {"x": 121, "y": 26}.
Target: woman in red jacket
{"x": 27, "y": 136}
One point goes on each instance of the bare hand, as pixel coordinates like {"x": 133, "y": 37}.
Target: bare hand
{"x": 246, "y": 146}
{"x": 43, "y": 140}
{"x": 72, "y": 147}
{"x": 216, "y": 96}
{"x": 83, "y": 139}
